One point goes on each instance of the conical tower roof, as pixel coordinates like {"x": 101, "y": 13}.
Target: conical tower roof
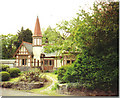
{"x": 37, "y": 30}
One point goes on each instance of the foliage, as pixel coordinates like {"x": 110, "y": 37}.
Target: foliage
{"x": 14, "y": 72}
{"x": 53, "y": 40}
{"x": 23, "y": 35}
{"x": 91, "y": 72}
{"x": 56, "y": 86}
{"x": 61, "y": 71}
{"x": 96, "y": 37}
{"x": 4, "y": 76}
{"x": 11, "y": 42}
{"x": 76, "y": 85}
{"x": 4, "y": 67}
{"x": 8, "y": 47}
{"x": 32, "y": 76}
{"x": 55, "y": 72}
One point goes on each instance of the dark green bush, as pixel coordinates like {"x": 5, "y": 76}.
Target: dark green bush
{"x": 91, "y": 72}
{"x": 14, "y": 72}
{"x": 4, "y": 67}
{"x": 4, "y": 76}
{"x": 61, "y": 71}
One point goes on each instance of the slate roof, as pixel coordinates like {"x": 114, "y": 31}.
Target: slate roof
{"x": 29, "y": 47}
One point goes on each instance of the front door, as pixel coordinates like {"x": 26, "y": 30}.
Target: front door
{"x": 48, "y": 64}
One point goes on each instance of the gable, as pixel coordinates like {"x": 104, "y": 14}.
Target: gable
{"x": 22, "y": 50}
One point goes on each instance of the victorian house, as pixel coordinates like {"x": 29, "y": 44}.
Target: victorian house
{"x": 32, "y": 54}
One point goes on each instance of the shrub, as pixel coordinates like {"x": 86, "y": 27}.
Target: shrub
{"x": 14, "y": 72}
{"x": 61, "y": 71}
{"x": 56, "y": 86}
{"x": 33, "y": 76}
{"x": 55, "y": 72}
{"x": 91, "y": 72}
{"x": 4, "y": 76}
{"x": 4, "y": 67}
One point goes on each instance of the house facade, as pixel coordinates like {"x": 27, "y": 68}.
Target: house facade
{"x": 33, "y": 55}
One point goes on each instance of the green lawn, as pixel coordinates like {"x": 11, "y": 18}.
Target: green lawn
{"x": 13, "y": 79}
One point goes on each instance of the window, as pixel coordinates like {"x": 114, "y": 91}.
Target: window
{"x": 24, "y": 61}
{"x": 46, "y": 62}
{"x": 49, "y": 62}
{"x": 73, "y": 61}
{"x": 38, "y": 41}
{"x": 41, "y": 62}
{"x": 34, "y": 41}
{"x": 68, "y": 61}
{"x": 19, "y": 62}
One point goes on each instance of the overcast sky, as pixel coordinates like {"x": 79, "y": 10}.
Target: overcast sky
{"x": 17, "y": 13}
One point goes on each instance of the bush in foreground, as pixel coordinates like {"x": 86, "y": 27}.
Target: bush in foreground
{"x": 14, "y": 72}
{"x": 61, "y": 73}
{"x": 4, "y": 76}
{"x": 4, "y": 67}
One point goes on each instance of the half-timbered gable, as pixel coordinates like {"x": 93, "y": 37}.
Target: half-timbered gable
{"x": 24, "y": 54}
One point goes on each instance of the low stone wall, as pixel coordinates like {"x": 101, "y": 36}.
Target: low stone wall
{"x": 64, "y": 89}
{"x": 22, "y": 85}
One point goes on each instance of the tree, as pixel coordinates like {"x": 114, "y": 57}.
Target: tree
{"x": 53, "y": 40}
{"x": 96, "y": 35}
{"x": 23, "y": 35}
{"x": 8, "y": 47}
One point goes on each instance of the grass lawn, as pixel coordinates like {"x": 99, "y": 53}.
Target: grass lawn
{"x": 13, "y": 79}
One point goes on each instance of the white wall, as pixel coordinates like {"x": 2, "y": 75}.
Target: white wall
{"x": 37, "y": 52}
{"x": 58, "y": 63}
{"x": 10, "y": 62}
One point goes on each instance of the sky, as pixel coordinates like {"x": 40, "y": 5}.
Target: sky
{"x": 17, "y": 13}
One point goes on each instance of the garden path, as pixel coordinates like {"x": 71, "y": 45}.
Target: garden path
{"x": 53, "y": 83}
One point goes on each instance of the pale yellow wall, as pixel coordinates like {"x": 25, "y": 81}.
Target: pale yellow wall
{"x": 58, "y": 63}
{"x": 37, "y": 52}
